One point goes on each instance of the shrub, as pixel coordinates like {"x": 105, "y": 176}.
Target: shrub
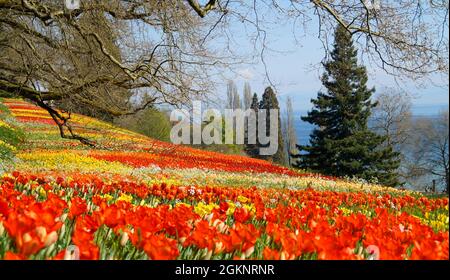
{"x": 150, "y": 122}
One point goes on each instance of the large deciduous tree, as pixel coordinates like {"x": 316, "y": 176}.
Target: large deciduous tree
{"x": 96, "y": 56}
{"x": 170, "y": 51}
{"x": 392, "y": 118}
{"x": 427, "y": 158}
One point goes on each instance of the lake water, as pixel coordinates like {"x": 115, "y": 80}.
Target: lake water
{"x": 304, "y": 129}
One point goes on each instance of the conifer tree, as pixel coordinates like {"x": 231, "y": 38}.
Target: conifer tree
{"x": 270, "y": 101}
{"x": 342, "y": 144}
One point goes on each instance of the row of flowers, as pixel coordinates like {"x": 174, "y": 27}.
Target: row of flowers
{"x": 66, "y": 162}
{"x": 140, "y": 151}
{"x": 45, "y": 218}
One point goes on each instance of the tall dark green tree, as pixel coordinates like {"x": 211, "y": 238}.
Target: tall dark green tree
{"x": 253, "y": 149}
{"x": 270, "y": 101}
{"x": 342, "y": 144}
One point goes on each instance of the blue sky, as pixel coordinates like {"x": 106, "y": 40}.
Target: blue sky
{"x": 294, "y": 70}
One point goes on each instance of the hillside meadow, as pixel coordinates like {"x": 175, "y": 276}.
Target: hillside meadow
{"x": 132, "y": 197}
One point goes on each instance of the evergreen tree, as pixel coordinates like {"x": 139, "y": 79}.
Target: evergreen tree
{"x": 270, "y": 101}
{"x": 253, "y": 149}
{"x": 342, "y": 144}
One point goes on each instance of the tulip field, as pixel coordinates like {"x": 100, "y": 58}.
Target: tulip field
{"x": 132, "y": 197}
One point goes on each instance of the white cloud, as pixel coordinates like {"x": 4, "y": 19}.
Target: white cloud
{"x": 246, "y": 73}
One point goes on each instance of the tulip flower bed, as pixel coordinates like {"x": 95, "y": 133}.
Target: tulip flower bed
{"x": 137, "y": 198}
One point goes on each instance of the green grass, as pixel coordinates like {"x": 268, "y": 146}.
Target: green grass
{"x": 11, "y": 136}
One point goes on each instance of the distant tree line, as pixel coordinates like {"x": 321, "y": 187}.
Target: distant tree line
{"x": 268, "y": 101}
